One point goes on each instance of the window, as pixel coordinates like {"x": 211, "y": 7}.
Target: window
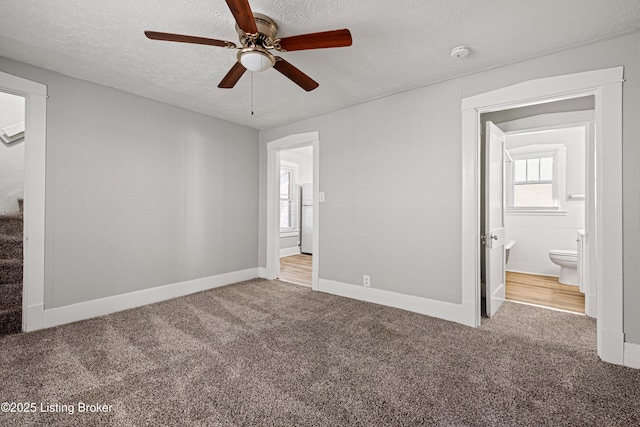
{"x": 535, "y": 178}
{"x": 288, "y": 197}
{"x": 533, "y": 182}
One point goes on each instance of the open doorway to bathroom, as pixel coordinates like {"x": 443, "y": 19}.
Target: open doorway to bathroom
{"x": 12, "y": 173}
{"x": 547, "y": 174}
{"x": 296, "y": 215}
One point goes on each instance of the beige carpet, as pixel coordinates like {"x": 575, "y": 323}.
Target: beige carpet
{"x": 268, "y": 353}
{"x": 11, "y": 272}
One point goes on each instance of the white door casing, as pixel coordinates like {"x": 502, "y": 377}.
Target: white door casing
{"x": 606, "y": 86}
{"x": 494, "y": 219}
{"x": 273, "y": 211}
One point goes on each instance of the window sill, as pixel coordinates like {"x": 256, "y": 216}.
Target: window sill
{"x": 289, "y": 233}
{"x": 541, "y": 212}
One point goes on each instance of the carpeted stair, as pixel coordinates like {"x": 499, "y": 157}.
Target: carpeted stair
{"x": 11, "y": 226}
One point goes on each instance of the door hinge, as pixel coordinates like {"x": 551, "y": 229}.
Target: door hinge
{"x": 485, "y": 239}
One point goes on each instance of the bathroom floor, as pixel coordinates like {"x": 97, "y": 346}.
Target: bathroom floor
{"x": 296, "y": 269}
{"x": 543, "y": 290}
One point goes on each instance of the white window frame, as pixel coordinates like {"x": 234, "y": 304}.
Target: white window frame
{"x": 294, "y": 199}
{"x": 559, "y": 181}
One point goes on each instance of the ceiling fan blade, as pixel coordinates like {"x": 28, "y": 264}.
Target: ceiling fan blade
{"x": 232, "y": 76}
{"x": 154, "y": 35}
{"x": 322, "y": 40}
{"x": 295, "y": 75}
{"x": 244, "y": 17}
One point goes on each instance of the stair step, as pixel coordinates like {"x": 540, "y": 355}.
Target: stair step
{"x": 10, "y": 321}
{"x": 11, "y": 224}
{"x": 10, "y": 296}
{"x": 10, "y": 271}
{"x": 10, "y": 247}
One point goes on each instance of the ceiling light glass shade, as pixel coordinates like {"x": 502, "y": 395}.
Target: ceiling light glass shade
{"x": 256, "y": 60}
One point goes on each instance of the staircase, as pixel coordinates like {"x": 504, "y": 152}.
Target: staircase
{"x": 11, "y": 228}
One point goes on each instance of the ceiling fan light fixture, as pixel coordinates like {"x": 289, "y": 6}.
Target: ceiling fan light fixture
{"x": 256, "y": 59}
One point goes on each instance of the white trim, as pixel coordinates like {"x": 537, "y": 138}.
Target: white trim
{"x": 35, "y": 95}
{"x": 284, "y": 252}
{"x": 606, "y": 86}
{"x": 429, "y": 307}
{"x": 608, "y": 199}
{"x": 543, "y": 90}
{"x": 262, "y": 272}
{"x": 470, "y": 252}
{"x": 290, "y": 233}
{"x": 535, "y": 212}
{"x": 632, "y": 355}
{"x": 20, "y": 86}
{"x": 273, "y": 227}
{"x": 113, "y": 304}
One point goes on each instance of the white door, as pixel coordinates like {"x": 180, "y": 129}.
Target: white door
{"x": 494, "y": 219}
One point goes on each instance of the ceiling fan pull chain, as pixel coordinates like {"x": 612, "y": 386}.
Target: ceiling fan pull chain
{"x": 252, "y": 93}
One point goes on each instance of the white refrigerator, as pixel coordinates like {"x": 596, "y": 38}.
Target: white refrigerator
{"x": 306, "y": 220}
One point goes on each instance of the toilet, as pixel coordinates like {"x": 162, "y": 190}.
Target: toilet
{"x": 568, "y": 262}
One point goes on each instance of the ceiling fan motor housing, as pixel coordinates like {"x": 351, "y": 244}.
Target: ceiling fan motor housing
{"x": 267, "y": 31}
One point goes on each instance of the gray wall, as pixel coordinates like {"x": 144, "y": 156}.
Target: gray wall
{"x": 387, "y": 213}
{"x": 11, "y": 155}
{"x": 391, "y": 171}
{"x": 139, "y": 193}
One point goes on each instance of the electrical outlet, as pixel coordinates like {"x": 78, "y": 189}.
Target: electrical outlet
{"x": 366, "y": 280}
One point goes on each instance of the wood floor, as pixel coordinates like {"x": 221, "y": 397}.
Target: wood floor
{"x": 296, "y": 269}
{"x": 543, "y": 290}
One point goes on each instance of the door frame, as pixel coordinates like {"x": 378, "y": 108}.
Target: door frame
{"x": 273, "y": 211}
{"x": 606, "y": 86}
{"x": 35, "y": 95}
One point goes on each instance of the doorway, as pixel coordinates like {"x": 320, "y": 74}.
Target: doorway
{"x": 12, "y": 162}
{"x": 296, "y": 215}
{"x": 606, "y": 87}
{"x": 548, "y": 167}
{"x": 35, "y": 96}
{"x": 279, "y": 204}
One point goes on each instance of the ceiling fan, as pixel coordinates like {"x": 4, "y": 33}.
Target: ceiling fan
{"x": 257, "y": 35}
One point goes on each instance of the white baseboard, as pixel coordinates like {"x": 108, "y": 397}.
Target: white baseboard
{"x": 108, "y": 305}
{"x": 632, "y": 355}
{"x": 434, "y": 308}
{"x": 289, "y": 251}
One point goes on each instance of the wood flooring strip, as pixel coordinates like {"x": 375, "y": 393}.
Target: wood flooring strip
{"x": 543, "y": 290}
{"x": 296, "y": 269}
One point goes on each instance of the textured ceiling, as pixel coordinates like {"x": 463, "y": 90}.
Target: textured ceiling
{"x": 398, "y": 45}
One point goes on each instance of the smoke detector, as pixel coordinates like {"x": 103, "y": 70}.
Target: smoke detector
{"x": 460, "y": 52}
